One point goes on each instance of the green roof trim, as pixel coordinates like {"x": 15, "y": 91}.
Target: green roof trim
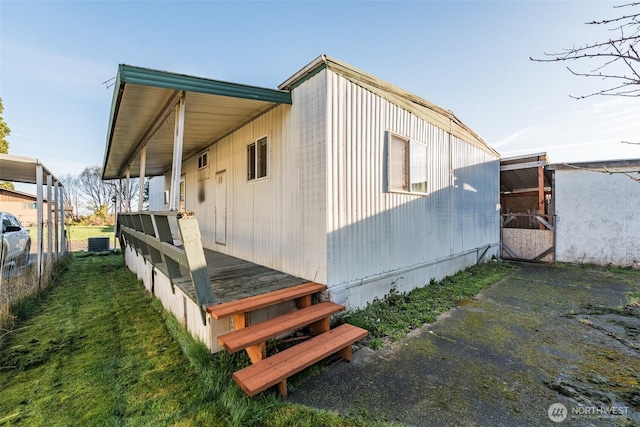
{"x": 139, "y": 76}
{"x": 144, "y": 76}
{"x": 307, "y": 76}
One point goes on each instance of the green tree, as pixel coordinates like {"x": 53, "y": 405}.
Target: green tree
{"x": 4, "y": 144}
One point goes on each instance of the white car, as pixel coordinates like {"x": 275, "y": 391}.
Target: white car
{"x": 16, "y": 243}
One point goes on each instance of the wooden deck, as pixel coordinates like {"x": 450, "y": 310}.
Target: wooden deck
{"x": 233, "y": 278}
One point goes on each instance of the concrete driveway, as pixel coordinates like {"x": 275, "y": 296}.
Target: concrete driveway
{"x": 548, "y": 345}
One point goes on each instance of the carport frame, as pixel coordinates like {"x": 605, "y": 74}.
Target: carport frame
{"x": 31, "y": 171}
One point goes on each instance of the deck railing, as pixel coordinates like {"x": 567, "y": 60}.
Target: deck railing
{"x": 151, "y": 235}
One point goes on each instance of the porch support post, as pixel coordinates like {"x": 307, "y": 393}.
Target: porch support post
{"x": 117, "y": 210}
{"x": 176, "y": 167}
{"x": 119, "y": 197}
{"x": 56, "y": 219}
{"x": 63, "y": 237}
{"x": 143, "y": 166}
{"x": 49, "y": 220}
{"x": 40, "y": 219}
{"x": 127, "y": 193}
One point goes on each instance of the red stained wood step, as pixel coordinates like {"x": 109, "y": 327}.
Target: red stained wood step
{"x": 275, "y": 369}
{"x": 264, "y": 331}
{"x": 246, "y": 305}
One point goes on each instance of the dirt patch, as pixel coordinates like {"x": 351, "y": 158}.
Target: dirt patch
{"x": 545, "y": 335}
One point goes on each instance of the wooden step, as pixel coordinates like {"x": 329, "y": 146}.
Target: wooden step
{"x": 264, "y": 331}
{"x": 249, "y": 304}
{"x": 276, "y": 369}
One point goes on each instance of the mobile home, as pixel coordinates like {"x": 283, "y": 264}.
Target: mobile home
{"x": 336, "y": 177}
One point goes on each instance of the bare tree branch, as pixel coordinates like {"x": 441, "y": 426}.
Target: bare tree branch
{"x": 615, "y": 58}
{"x": 607, "y": 171}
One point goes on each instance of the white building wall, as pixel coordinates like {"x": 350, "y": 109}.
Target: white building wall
{"x": 377, "y": 239}
{"x": 277, "y": 222}
{"x": 324, "y": 213}
{"x": 597, "y": 217}
{"x": 156, "y": 193}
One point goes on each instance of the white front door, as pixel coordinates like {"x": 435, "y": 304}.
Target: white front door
{"x": 221, "y": 207}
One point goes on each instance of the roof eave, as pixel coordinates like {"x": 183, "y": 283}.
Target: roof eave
{"x": 128, "y": 74}
{"x": 167, "y": 80}
{"x": 454, "y": 125}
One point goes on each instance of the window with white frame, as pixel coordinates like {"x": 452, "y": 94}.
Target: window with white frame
{"x": 407, "y": 165}
{"x": 203, "y": 166}
{"x": 203, "y": 160}
{"x": 258, "y": 159}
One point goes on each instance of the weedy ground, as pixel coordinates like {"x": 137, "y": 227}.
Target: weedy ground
{"x": 391, "y": 318}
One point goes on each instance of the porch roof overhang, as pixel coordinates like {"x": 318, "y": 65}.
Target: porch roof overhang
{"x": 21, "y": 169}
{"x": 143, "y": 114}
{"x": 520, "y": 174}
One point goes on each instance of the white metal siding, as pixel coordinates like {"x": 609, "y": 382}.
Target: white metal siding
{"x": 373, "y": 233}
{"x": 277, "y": 222}
{"x": 597, "y": 218}
{"x": 156, "y": 193}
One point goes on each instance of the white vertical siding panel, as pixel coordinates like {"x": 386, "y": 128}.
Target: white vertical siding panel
{"x": 278, "y": 222}
{"x": 306, "y": 131}
{"x": 371, "y": 231}
{"x": 199, "y": 197}
{"x": 291, "y": 188}
{"x": 267, "y": 196}
{"x": 156, "y": 193}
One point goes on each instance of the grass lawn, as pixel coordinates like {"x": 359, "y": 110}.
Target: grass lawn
{"x": 97, "y": 349}
{"x": 78, "y": 235}
{"x": 82, "y": 233}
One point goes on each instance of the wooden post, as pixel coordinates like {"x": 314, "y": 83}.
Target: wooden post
{"x": 541, "y": 202}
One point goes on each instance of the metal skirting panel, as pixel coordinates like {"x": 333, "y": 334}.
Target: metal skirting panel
{"x": 359, "y": 294}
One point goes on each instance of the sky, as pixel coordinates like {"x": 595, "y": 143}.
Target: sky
{"x": 469, "y": 57}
